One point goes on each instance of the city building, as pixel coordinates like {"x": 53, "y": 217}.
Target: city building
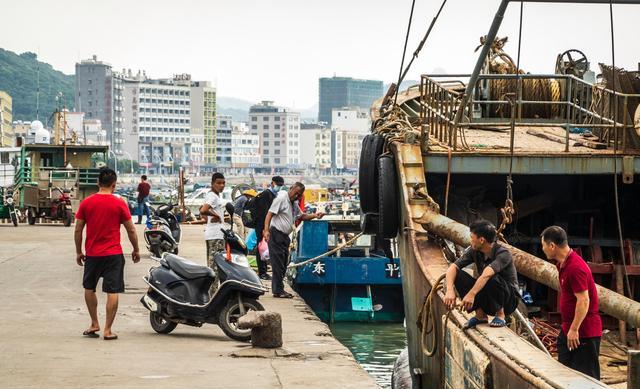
{"x": 353, "y": 119}
{"x": 203, "y": 121}
{"x": 21, "y": 129}
{"x": 7, "y": 135}
{"x": 308, "y": 134}
{"x": 99, "y": 94}
{"x": 93, "y": 132}
{"x": 338, "y": 92}
{"x": 245, "y": 149}
{"x": 223, "y": 141}
{"x": 279, "y": 131}
{"x": 337, "y": 150}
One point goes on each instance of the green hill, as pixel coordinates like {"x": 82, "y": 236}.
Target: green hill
{"x": 18, "y": 77}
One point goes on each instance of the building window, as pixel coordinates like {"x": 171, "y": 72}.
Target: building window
{"x": 277, "y": 160}
{"x": 265, "y": 127}
{"x": 276, "y": 143}
{"x": 254, "y": 127}
{"x": 254, "y": 118}
{"x": 277, "y": 118}
{"x": 265, "y": 160}
{"x": 265, "y": 143}
{"x": 277, "y": 135}
{"x": 276, "y": 127}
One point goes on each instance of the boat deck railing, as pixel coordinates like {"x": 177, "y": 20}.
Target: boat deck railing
{"x": 546, "y": 100}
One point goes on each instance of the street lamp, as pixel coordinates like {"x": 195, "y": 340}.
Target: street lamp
{"x": 115, "y": 157}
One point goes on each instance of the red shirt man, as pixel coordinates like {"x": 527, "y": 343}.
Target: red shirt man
{"x": 102, "y": 214}
{"x": 579, "y": 341}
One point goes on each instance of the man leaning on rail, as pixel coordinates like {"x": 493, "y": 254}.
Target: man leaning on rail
{"x": 495, "y": 291}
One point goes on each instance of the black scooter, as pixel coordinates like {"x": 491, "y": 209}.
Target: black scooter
{"x": 162, "y": 233}
{"x": 179, "y": 290}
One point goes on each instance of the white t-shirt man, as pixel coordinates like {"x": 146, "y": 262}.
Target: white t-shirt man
{"x": 213, "y": 229}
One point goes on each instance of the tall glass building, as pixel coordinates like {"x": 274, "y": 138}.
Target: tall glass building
{"x": 339, "y": 92}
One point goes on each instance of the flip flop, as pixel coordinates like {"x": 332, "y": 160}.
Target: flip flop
{"x": 91, "y": 333}
{"x": 111, "y": 337}
{"x": 474, "y": 321}
{"x": 283, "y": 295}
{"x": 497, "y": 322}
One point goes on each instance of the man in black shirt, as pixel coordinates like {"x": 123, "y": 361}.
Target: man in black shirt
{"x": 262, "y": 204}
{"x": 495, "y": 292}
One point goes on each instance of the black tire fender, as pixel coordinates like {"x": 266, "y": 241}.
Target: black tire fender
{"x": 368, "y": 175}
{"x": 369, "y": 223}
{"x": 388, "y": 206}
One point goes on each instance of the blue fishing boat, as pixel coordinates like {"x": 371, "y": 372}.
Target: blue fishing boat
{"x": 355, "y": 283}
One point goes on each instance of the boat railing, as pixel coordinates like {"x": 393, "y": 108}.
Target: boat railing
{"x": 554, "y": 100}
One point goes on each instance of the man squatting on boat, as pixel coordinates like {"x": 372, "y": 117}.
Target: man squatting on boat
{"x": 579, "y": 340}
{"x": 495, "y": 292}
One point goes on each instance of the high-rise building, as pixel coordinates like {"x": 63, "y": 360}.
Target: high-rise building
{"x": 279, "y": 131}
{"x": 99, "y": 94}
{"x": 309, "y": 133}
{"x": 339, "y": 92}
{"x": 223, "y": 141}
{"x": 7, "y": 136}
{"x": 203, "y": 120}
{"x": 159, "y": 114}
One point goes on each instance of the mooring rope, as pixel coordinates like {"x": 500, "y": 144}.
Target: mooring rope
{"x": 337, "y": 248}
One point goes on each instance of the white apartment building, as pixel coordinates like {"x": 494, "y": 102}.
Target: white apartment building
{"x": 93, "y": 132}
{"x": 158, "y": 114}
{"x": 223, "y": 141}
{"x": 245, "y": 150}
{"x": 279, "y": 131}
{"x": 352, "y": 119}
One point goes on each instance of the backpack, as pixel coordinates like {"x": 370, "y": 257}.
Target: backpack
{"x": 249, "y": 213}
{"x": 256, "y": 208}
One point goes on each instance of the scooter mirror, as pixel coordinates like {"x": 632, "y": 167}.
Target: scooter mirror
{"x": 230, "y": 208}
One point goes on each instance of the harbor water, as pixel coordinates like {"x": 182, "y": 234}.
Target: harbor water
{"x": 374, "y": 345}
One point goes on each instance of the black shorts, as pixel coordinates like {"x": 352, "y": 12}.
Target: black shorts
{"x": 110, "y": 268}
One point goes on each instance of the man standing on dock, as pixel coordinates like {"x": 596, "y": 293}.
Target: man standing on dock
{"x": 262, "y": 204}
{"x": 495, "y": 292}
{"x": 579, "y": 340}
{"x": 144, "y": 188}
{"x": 279, "y": 223}
{"x": 213, "y": 210}
{"x": 103, "y": 213}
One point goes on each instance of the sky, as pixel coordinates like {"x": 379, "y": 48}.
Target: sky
{"x": 277, "y": 49}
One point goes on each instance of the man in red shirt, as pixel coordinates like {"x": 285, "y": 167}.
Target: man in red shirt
{"x": 144, "y": 188}
{"x": 579, "y": 340}
{"x": 103, "y": 213}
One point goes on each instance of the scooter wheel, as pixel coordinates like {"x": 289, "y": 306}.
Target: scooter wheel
{"x": 160, "y": 324}
{"x": 14, "y": 219}
{"x": 228, "y": 319}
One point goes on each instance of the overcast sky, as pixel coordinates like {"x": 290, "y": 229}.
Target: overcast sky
{"x": 277, "y": 49}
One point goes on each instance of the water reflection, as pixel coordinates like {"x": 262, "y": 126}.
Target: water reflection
{"x": 374, "y": 345}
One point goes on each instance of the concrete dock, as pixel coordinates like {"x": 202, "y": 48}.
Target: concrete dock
{"x": 43, "y": 314}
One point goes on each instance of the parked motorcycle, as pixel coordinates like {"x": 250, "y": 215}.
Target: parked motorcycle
{"x": 8, "y": 207}
{"x": 162, "y": 232}
{"x": 61, "y": 207}
{"x": 179, "y": 290}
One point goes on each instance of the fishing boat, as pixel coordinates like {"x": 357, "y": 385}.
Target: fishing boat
{"x": 345, "y": 282}
{"x": 526, "y": 151}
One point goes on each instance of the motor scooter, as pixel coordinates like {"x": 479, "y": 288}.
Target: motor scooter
{"x": 179, "y": 290}
{"x": 162, "y": 232}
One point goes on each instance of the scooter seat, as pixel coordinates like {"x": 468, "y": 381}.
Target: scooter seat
{"x": 187, "y": 269}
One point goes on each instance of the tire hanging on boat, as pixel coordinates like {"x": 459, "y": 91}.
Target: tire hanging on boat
{"x": 368, "y": 172}
{"x": 369, "y": 223}
{"x": 387, "y": 197}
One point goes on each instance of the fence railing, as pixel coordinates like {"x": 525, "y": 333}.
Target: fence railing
{"x": 540, "y": 101}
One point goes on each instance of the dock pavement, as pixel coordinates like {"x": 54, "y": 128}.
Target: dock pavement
{"x": 42, "y": 316}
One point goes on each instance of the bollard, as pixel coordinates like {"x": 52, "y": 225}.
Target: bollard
{"x": 633, "y": 369}
{"x": 266, "y": 328}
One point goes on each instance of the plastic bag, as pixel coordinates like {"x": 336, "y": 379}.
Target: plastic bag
{"x": 252, "y": 240}
{"x": 263, "y": 249}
